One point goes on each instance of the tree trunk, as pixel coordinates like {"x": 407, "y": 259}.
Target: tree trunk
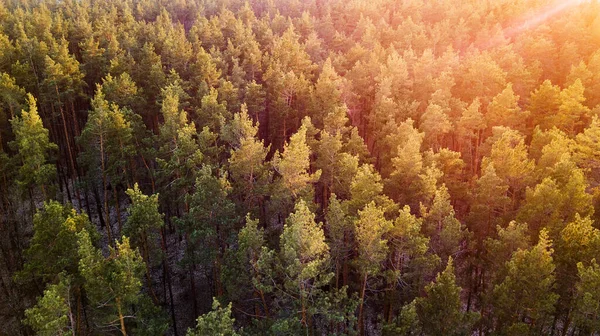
{"x": 193, "y": 288}
{"x": 121, "y": 318}
{"x": 67, "y": 139}
{"x": 118, "y": 208}
{"x": 168, "y": 277}
{"x": 105, "y": 191}
{"x": 360, "y": 308}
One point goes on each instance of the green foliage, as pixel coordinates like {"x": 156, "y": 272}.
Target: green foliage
{"x": 406, "y": 323}
{"x": 35, "y": 150}
{"x": 293, "y": 167}
{"x": 211, "y": 218}
{"x": 52, "y": 314}
{"x": 179, "y": 153}
{"x": 415, "y": 130}
{"x": 339, "y": 234}
{"x": 107, "y": 137}
{"x": 143, "y": 222}
{"x": 218, "y": 322}
{"x": 587, "y": 302}
{"x": 526, "y": 293}
{"x": 510, "y": 160}
{"x": 370, "y": 228}
{"x": 113, "y": 284}
{"x": 440, "y": 312}
{"x": 409, "y": 255}
{"x": 586, "y": 150}
{"x": 248, "y": 167}
{"x": 56, "y": 228}
{"x": 305, "y": 259}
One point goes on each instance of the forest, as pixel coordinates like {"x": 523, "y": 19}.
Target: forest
{"x": 300, "y": 167}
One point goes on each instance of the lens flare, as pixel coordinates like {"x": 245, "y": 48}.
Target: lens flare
{"x": 539, "y": 18}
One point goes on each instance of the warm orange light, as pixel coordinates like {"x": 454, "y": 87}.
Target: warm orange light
{"x": 547, "y": 13}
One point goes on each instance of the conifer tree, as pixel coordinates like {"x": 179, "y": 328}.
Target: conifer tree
{"x": 248, "y": 166}
{"x": 511, "y": 162}
{"x": 370, "y": 228}
{"x": 544, "y": 104}
{"x": 107, "y": 137}
{"x": 54, "y": 239}
{"x": 440, "y": 311}
{"x": 504, "y": 110}
{"x": 470, "y": 129}
{"x": 143, "y": 222}
{"x": 587, "y": 310}
{"x": 52, "y": 315}
{"x": 251, "y": 241}
{"x": 143, "y": 225}
{"x": 435, "y": 124}
{"x": 34, "y": 149}
{"x": 305, "y": 260}
{"x": 408, "y": 262}
{"x": 113, "y": 284}
{"x": 293, "y": 167}
{"x": 524, "y": 300}
{"x": 216, "y": 322}
{"x": 587, "y": 148}
{"x": 572, "y": 113}
{"x": 179, "y": 153}
{"x": 489, "y": 203}
{"x": 209, "y": 224}
{"x": 339, "y": 234}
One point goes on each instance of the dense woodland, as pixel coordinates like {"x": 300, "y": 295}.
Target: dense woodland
{"x": 299, "y": 167}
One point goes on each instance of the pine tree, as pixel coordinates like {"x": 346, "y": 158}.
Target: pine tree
{"x": 123, "y": 91}
{"x": 511, "y": 162}
{"x": 305, "y": 260}
{"x": 370, "y": 228}
{"x": 470, "y": 129}
{"x": 490, "y": 202}
{"x": 113, "y": 284}
{"x": 143, "y": 225}
{"x": 327, "y": 95}
{"x": 407, "y": 164}
{"x": 52, "y": 315}
{"x": 524, "y": 300}
{"x": 504, "y": 110}
{"x": 544, "y": 104}
{"x": 34, "y": 149}
{"x": 143, "y": 222}
{"x": 441, "y": 225}
{"x": 409, "y": 260}
{"x": 293, "y": 167}
{"x": 587, "y": 148}
{"x": 212, "y": 113}
{"x": 54, "y": 239}
{"x": 440, "y": 311}
{"x": 572, "y": 114}
{"x": 337, "y": 167}
{"x": 179, "y": 154}
{"x": 435, "y": 124}
{"x": 251, "y": 241}
{"x": 209, "y": 225}
{"x": 218, "y": 322}
{"x": 12, "y": 98}
{"x": 107, "y": 137}
{"x": 366, "y": 187}
{"x": 586, "y": 308}
{"x": 248, "y": 166}
{"x": 339, "y": 234}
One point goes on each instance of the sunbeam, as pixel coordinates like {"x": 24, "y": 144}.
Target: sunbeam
{"x": 539, "y": 18}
